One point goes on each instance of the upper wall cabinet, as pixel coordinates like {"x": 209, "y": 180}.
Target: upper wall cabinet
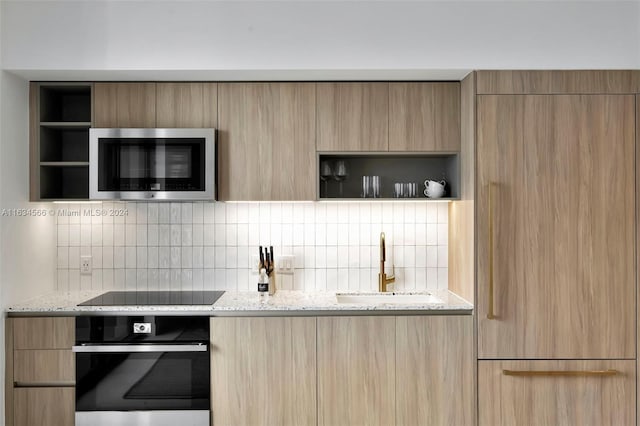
{"x": 191, "y": 105}
{"x": 424, "y": 117}
{"x": 125, "y": 105}
{"x": 266, "y": 141}
{"x": 353, "y": 116}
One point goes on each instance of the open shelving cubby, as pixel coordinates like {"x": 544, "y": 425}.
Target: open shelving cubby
{"x": 63, "y": 120}
{"x": 392, "y": 167}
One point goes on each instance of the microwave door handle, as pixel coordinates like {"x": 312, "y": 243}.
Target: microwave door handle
{"x": 97, "y": 348}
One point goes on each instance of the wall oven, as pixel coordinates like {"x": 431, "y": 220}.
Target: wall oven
{"x": 155, "y": 164}
{"x": 142, "y": 370}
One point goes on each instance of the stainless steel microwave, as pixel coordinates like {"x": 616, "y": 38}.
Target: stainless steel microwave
{"x": 152, "y": 164}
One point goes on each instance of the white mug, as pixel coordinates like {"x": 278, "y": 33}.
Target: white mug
{"x": 434, "y": 189}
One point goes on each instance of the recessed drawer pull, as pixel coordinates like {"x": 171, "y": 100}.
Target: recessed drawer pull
{"x": 533, "y": 373}
{"x": 61, "y": 384}
{"x": 490, "y": 312}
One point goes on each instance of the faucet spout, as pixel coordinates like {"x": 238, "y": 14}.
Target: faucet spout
{"x": 383, "y": 279}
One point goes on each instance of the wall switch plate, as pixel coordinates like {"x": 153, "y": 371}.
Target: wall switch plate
{"x": 285, "y": 264}
{"x": 85, "y": 265}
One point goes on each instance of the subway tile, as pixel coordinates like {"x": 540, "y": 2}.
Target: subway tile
{"x": 198, "y": 279}
{"x": 432, "y": 256}
{"x": 107, "y": 257}
{"x": 208, "y": 231}
{"x": 164, "y": 213}
{"x": 432, "y": 213}
{"x": 365, "y": 234}
{"x": 152, "y": 258}
{"x": 118, "y": 257}
{"x": 176, "y": 234}
{"x": 153, "y": 279}
{"x": 321, "y": 257}
{"x": 74, "y": 258}
{"x": 130, "y": 257}
{"x": 63, "y": 257}
{"x": 298, "y": 213}
{"x": 220, "y": 234}
{"x": 176, "y": 212}
{"x": 141, "y": 235}
{"x": 63, "y": 235}
{"x": 309, "y": 280}
{"x": 108, "y": 279}
{"x": 209, "y": 257}
{"x": 164, "y": 279}
{"x": 343, "y": 256}
{"x": 332, "y": 256}
{"x": 410, "y": 234}
{"x": 186, "y": 213}
{"x": 243, "y": 234}
{"x": 85, "y": 234}
{"x": 276, "y": 234}
{"x": 321, "y": 280}
{"x": 198, "y": 213}
{"x": 309, "y": 257}
{"x": 96, "y": 258}
{"x": 164, "y": 235}
{"x": 354, "y": 256}
{"x": 421, "y": 256}
{"x": 152, "y": 234}
{"x": 409, "y": 256}
{"x": 320, "y": 213}
{"x": 187, "y": 235}
{"x": 276, "y": 213}
{"x": 232, "y": 213}
{"x": 107, "y": 234}
{"x": 164, "y": 257}
{"x": 443, "y": 278}
{"x": 141, "y": 213}
{"x": 309, "y": 234}
{"x": 198, "y": 259}
{"x": 443, "y": 234}
{"x": 198, "y": 234}
{"x": 141, "y": 279}
{"x": 242, "y": 213}
{"x": 208, "y": 213}
{"x": 321, "y": 234}
{"x": 343, "y": 279}
{"x": 432, "y": 234}
{"x": 254, "y": 234}
{"x": 130, "y": 234}
{"x": 443, "y": 256}
{"x": 176, "y": 257}
{"x": 118, "y": 235}
{"x": 152, "y": 213}
{"x": 421, "y": 279}
{"x": 365, "y": 257}
{"x": 231, "y": 255}
{"x": 254, "y": 213}
{"x": 219, "y": 257}
{"x": 220, "y": 213}
{"x": 187, "y": 257}
{"x": 332, "y": 279}
{"x": 187, "y": 280}
{"x": 443, "y": 213}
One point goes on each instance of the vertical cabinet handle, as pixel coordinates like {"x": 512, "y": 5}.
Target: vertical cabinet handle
{"x": 490, "y": 311}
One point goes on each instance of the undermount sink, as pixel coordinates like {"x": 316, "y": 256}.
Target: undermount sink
{"x": 398, "y": 298}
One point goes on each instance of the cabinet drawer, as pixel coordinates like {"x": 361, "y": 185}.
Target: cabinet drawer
{"x": 51, "y": 366}
{"x": 557, "y": 393}
{"x": 44, "y": 406}
{"x": 43, "y": 333}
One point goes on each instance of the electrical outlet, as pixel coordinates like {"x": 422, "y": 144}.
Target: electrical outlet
{"x": 85, "y": 265}
{"x": 285, "y": 265}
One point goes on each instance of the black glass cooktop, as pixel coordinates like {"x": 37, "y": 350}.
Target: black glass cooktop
{"x": 133, "y": 298}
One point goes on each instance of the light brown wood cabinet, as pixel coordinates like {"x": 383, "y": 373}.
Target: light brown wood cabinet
{"x": 424, "y": 117}
{"x": 263, "y": 371}
{"x": 356, "y": 370}
{"x": 124, "y": 105}
{"x": 556, "y": 226}
{"x": 266, "y": 141}
{"x": 44, "y": 406}
{"x": 434, "y": 370}
{"x": 555, "y": 399}
{"x": 353, "y": 116}
{"x": 406, "y": 370}
{"x": 40, "y": 371}
{"x": 190, "y": 105}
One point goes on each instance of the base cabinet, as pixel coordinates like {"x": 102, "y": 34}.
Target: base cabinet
{"x": 263, "y": 371}
{"x": 44, "y": 406}
{"x": 556, "y": 393}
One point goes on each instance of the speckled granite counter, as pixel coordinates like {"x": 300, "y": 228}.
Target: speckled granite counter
{"x": 244, "y": 304}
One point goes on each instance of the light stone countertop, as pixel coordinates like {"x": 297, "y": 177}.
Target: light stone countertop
{"x": 234, "y": 303}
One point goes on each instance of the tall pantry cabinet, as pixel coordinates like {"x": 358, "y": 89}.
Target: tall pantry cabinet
{"x": 556, "y": 250}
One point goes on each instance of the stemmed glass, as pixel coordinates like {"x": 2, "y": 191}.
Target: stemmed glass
{"x": 325, "y": 174}
{"x": 340, "y": 173}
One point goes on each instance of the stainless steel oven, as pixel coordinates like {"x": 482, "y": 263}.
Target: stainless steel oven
{"x": 152, "y": 164}
{"x": 150, "y": 370}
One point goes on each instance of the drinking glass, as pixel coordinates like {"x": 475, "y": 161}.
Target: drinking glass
{"x": 375, "y": 186}
{"x": 325, "y": 174}
{"x": 366, "y": 186}
{"x": 340, "y": 173}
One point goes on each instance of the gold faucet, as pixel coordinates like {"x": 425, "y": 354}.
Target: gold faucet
{"x": 383, "y": 279}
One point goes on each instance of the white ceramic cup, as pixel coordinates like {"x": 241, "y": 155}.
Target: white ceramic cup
{"x": 434, "y": 189}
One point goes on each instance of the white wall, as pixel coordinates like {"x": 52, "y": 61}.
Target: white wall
{"x": 354, "y": 35}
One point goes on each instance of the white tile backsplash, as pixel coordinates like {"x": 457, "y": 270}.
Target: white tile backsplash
{"x": 211, "y": 245}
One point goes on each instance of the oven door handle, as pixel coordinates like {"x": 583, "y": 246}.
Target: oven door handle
{"x": 99, "y": 348}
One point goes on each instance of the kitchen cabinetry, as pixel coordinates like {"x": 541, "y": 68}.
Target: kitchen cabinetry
{"x": 266, "y": 141}
{"x": 356, "y": 370}
{"x": 190, "y": 105}
{"x": 424, "y": 117}
{"x": 263, "y": 371}
{"x": 585, "y": 393}
{"x": 353, "y": 116}
{"x": 404, "y": 370}
{"x": 40, "y": 371}
{"x": 434, "y": 370}
{"x": 125, "y": 105}
{"x": 556, "y": 226}
{"x": 60, "y": 116}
